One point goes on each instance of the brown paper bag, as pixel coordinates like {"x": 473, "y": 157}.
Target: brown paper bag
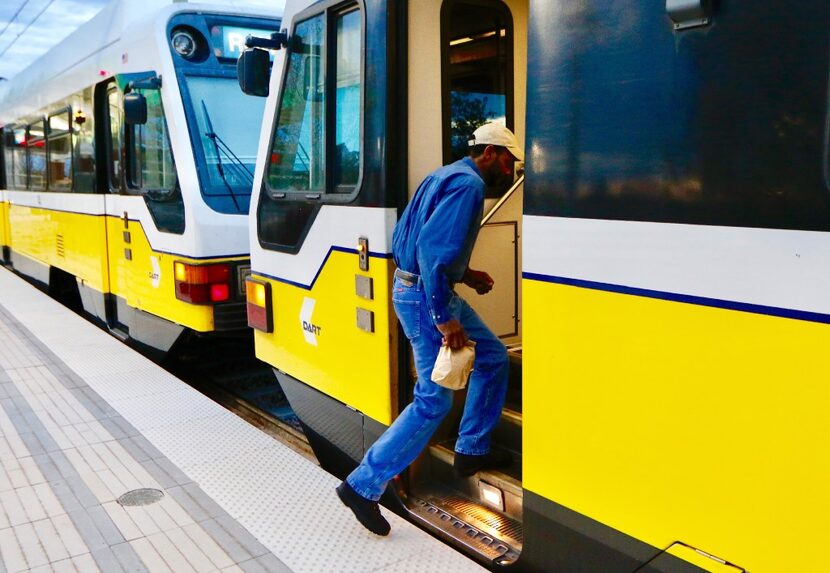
{"x": 452, "y": 367}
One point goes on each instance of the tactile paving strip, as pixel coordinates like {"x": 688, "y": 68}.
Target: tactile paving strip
{"x": 292, "y": 505}
{"x": 168, "y": 408}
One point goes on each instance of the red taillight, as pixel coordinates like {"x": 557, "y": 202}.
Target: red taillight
{"x": 219, "y": 293}
{"x": 202, "y": 284}
{"x": 259, "y": 305}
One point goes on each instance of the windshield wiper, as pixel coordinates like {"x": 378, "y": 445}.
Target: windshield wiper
{"x": 222, "y": 148}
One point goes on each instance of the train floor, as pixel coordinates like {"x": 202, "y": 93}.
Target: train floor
{"x": 110, "y": 463}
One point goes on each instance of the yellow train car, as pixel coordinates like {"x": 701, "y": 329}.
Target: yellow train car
{"x": 128, "y": 157}
{"x": 4, "y": 228}
{"x": 659, "y": 275}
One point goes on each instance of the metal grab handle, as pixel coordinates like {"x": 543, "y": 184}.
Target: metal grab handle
{"x": 503, "y": 200}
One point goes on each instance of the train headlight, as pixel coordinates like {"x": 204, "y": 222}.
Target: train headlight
{"x": 260, "y": 315}
{"x": 184, "y": 44}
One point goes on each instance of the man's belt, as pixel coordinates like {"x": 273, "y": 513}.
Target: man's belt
{"x": 408, "y": 279}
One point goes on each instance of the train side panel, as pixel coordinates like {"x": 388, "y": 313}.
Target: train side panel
{"x": 144, "y": 277}
{"x": 4, "y": 225}
{"x": 679, "y": 422}
{"x": 334, "y": 343}
{"x": 318, "y": 334}
{"x": 58, "y": 230}
{"x": 675, "y": 284}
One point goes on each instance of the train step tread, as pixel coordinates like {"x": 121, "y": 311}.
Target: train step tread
{"x": 486, "y": 534}
{"x": 508, "y": 480}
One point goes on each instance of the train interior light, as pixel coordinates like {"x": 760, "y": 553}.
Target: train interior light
{"x": 491, "y": 495}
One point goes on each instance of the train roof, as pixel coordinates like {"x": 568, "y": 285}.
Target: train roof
{"x": 118, "y": 20}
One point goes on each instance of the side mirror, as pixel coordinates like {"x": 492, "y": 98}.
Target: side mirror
{"x": 135, "y": 109}
{"x": 252, "y": 69}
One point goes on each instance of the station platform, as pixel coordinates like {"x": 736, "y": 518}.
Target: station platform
{"x": 110, "y": 463}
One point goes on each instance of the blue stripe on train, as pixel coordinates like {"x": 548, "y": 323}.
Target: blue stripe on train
{"x": 684, "y": 298}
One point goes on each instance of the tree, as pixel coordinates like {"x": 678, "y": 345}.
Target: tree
{"x": 468, "y": 114}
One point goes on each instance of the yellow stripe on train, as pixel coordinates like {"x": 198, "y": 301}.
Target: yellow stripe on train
{"x": 4, "y": 224}
{"x": 316, "y": 338}
{"x": 676, "y": 422}
{"x": 74, "y": 242}
{"x": 77, "y": 243}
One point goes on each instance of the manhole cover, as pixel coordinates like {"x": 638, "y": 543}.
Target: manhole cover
{"x": 143, "y": 496}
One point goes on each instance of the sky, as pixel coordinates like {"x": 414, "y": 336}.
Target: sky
{"x": 28, "y": 28}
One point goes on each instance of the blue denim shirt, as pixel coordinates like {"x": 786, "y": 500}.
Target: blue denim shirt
{"x": 436, "y": 233}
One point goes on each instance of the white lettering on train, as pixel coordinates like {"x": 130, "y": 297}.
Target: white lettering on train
{"x": 310, "y": 330}
{"x": 155, "y": 274}
{"x": 236, "y": 42}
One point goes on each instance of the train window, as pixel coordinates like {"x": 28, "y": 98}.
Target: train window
{"x": 226, "y": 120}
{"x": 319, "y": 121}
{"x": 151, "y": 167}
{"x": 19, "y": 160}
{"x": 477, "y": 37}
{"x": 83, "y": 126}
{"x": 59, "y": 151}
{"x": 347, "y": 102}
{"x": 36, "y": 144}
{"x": 6, "y": 137}
{"x": 8, "y": 156}
{"x": 115, "y": 137}
{"x": 297, "y": 160}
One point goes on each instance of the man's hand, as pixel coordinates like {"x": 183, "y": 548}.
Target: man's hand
{"x": 454, "y": 335}
{"x": 480, "y": 281}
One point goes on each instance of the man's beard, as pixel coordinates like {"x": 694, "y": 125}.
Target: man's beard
{"x": 496, "y": 177}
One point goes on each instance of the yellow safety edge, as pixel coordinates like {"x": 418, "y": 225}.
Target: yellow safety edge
{"x": 671, "y": 421}
{"x": 347, "y": 363}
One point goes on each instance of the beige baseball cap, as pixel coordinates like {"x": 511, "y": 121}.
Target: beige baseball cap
{"x": 496, "y": 134}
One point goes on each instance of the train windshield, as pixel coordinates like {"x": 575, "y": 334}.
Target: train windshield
{"x": 227, "y": 122}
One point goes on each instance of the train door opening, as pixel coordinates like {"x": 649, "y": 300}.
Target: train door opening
{"x": 110, "y": 181}
{"x": 466, "y": 67}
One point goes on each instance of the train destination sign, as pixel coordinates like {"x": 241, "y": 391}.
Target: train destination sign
{"x": 229, "y": 41}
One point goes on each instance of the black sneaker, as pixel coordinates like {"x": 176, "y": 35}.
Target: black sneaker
{"x": 466, "y": 465}
{"x": 366, "y": 511}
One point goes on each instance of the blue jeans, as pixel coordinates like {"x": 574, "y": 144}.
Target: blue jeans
{"x": 409, "y": 434}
